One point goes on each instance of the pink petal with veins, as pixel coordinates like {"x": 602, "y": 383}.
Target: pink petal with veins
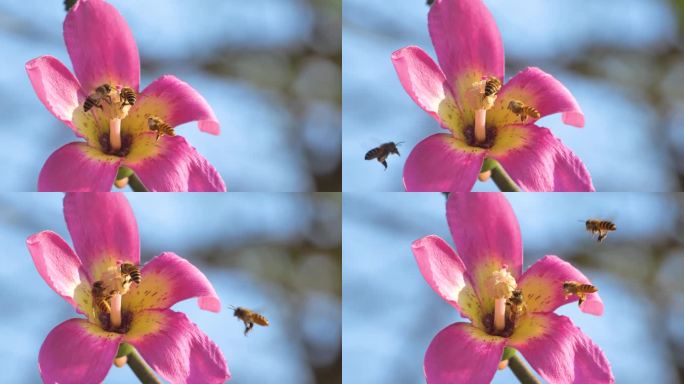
{"x": 77, "y": 351}
{"x": 177, "y": 167}
{"x": 182, "y": 104}
{"x": 560, "y": 352}
{"x": 441, "y": 164}
{"x": 441, "y": 267}
{"x": 466, "y": 39}
{"x": 422, "y": 79}
{"x": 102, "y": 227}
{"x": 543, "y": 163}
{"x": 56, "y": 263}
{"x": 461, "y": 353}
{"x": 544, "y": 92}
{"x": 176, "y": 349}
{"x": 77, "y": 167}
{"x": 542, "y": 285}
{"x": 101, "y": 46}
{"x": 169, "y": 279}
{"x": 485, "y": 230}
{"x": 56, "y": 88}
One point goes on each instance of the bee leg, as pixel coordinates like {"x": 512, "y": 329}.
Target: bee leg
{"x": 581, "y": 299}
{"x": 384, "y": 163}
{"x": 248, "y": 327}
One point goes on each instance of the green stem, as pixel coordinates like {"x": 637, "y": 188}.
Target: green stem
{"x": 68, "y": 4}
{"x": 135, "y": 184}
{"x": 503, "y": 181}
{"x": 520, "y": 370}
{"x": 142, "y": 371}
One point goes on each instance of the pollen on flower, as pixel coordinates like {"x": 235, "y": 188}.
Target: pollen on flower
{"x": 107, "y": 298}
{"x": 111, "y": 104}
{"x": 502, "y": 283}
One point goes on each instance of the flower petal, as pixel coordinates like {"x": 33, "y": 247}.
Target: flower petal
{"x": 422, "y": 79}
{"x": 103, "y": 230}
{"x": 172, "y": 165}
{"x": 176, "y": 349}
{"x": 461, "y": 353}
{"x": 487, "y": 237}
{"x": 56, "y": 88}
{"x": 542, "y": 285}
{"x": 538, "y": 162}
{"x": 542, "y": 91}
{"x": 442, "y": 163}
{"x": 78, "y": 167}
{"x": 444, "y": 272}
{"x": 467, "y": 41}
{"x": 101, "y": 46}
{"x": 168, "y": 279}
{"x": 175, "y": 102}
{"x": 485, "y": 228}
{"x": 559, "y": 351}
{"x": 56, "y": 263}
{"x": 77, "y": 351}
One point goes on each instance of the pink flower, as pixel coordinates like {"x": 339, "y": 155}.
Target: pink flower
{"x": 487, "y": 236}
{"x": 102, "y": 51}
{"x": 470, "y": 51}
{"x": 81, "y": 350}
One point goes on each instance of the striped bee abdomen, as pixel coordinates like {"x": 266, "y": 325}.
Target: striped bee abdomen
{"x": 131, "y": 270}
{"x": 492, "y": 86}
{"x": 128, "y": 96}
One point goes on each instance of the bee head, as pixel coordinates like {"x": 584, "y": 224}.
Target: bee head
{"x": 567, "y": 285}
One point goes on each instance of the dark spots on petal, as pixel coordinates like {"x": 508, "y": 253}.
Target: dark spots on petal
{"x": 469, "y": 133}
{"x": 126, "y": 142}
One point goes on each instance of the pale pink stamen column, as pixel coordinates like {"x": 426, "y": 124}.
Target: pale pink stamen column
{"x": 115, "y": 315}
{"x": 115, "y": 134}
{"x": 503, "y": 284}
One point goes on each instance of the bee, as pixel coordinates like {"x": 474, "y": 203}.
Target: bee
{"x": 249, "y": 317}
{"x": 158, "y": 125}
{"x": 101, "y": 297}
{"x": 95, "y": 98}
{"x": 382, "y": 152}
{"x": 600, "y": 227}
{"x": 131, "y": 271}
{"x": 516, "y": 305}
{"x": 128, "y": 96}
{"x": 522, "y": 110}
{"x": 492, "y": 87}
{"x": 581, "y": 290}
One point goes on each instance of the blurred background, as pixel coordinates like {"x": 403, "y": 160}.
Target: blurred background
{"x": 271, "y": 70}
{"x": 279, "y": 254}
{"x": 622, "y": 59}
{"x": 390, "y": 314}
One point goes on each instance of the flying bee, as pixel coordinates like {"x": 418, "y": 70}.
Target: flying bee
{"x": 522, "y": 110}
{"x": 382, "y": 152}
{"x": 128, "y": 96}
{"x": 95, "y": 98}
{"x": 581, "y": 290}
{"x": 249, "y": 317}
{"x": 158, "y": 125}
{"x": 131, "y": 271}
{"x": 492, "y": 87}
{"x": 101, "y": 297}
{"x": 600, "y": 227}
{"x": 516, "y": 305}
